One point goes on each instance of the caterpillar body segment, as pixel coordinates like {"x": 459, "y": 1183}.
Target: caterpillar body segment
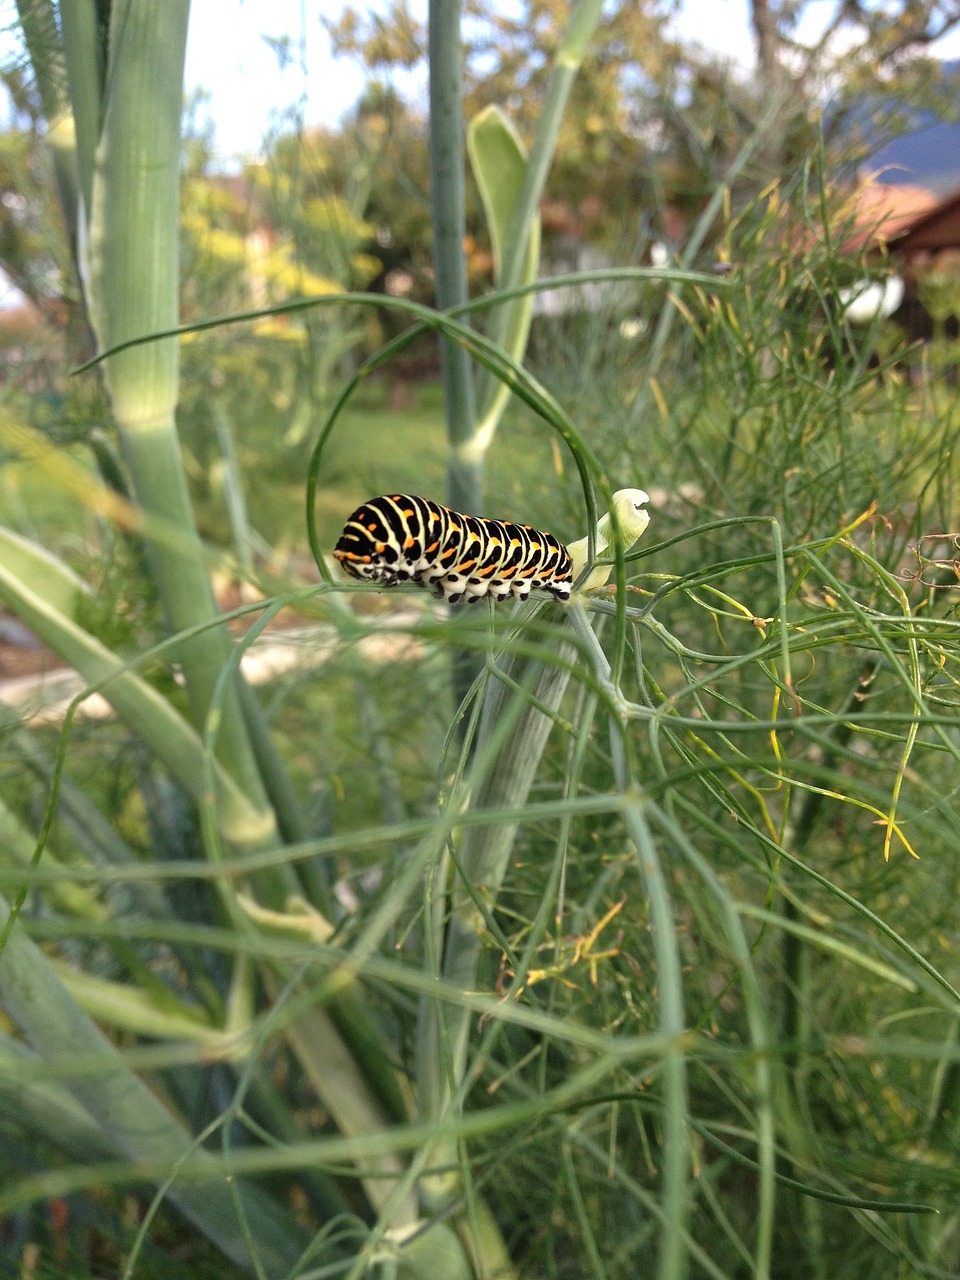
{"x": 402, "y": 538}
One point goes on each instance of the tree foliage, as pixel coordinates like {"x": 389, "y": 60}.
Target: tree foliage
{"x": 507, "y": 59}
{"x": 656, "y": 122}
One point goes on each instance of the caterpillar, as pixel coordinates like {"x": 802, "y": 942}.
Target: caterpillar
{"x": 402, "y": 538}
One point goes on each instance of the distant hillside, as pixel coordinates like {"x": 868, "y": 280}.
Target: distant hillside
{"x": 927, "y": 157}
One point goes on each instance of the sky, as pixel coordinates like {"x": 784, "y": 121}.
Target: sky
{"x": 228, "y": 55}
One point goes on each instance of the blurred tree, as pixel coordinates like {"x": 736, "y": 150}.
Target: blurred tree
{"x": 862, "y": 43}
{"x": 35, "y": 254}
{"x": 655, "y": 123}
{"x": 602, "y": 147}
{"x": 867, "y": 58}
{"x": 288, "y": 226}
{"x": 283, "y": 229}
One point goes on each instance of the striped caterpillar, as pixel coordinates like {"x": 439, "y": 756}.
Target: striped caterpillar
{"x": 402, "y": 538}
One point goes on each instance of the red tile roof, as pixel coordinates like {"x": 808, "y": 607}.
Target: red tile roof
{"x": 884, "y": 213}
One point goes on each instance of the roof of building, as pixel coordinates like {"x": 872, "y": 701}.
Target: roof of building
{"x": 882, "y": 214}
{"x": 938, "y": 228}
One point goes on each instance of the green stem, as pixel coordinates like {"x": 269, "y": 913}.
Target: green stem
{"x": 448, "y": 216}
{"x": 84, "y": 43}
{"x": 676, "y": 1145}
{"x": 566, "y": 66}
{"x": 133, "y": 290}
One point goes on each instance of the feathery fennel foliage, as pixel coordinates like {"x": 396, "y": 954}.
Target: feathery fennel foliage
{"x": 640, "y": 960}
